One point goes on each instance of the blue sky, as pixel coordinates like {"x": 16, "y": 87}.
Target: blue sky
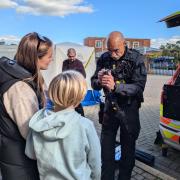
{"x": 73, "y": 20}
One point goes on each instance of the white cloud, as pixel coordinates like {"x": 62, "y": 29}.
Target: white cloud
{"x": 10, "y": 39}
{"x": 7, "y": 4}
{"x": 48, "y": 7}
{"x": 156, "y": 43}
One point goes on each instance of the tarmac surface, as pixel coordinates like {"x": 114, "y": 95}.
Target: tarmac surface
{"x": 165, "y": 167}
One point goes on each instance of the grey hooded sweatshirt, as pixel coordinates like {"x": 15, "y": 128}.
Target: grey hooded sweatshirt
{"x": 65, "y": 145}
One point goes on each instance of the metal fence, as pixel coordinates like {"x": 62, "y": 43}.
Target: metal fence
{"x": 169, "y": 72}
{"x": 162, "y": 66}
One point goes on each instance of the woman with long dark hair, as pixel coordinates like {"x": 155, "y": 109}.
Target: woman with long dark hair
{"x": 21, "y": 95}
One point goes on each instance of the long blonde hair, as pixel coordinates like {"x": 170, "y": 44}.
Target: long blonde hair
{"x": 31, "y": 48}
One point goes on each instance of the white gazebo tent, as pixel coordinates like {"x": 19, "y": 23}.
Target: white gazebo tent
{"x": 83, "y": 53}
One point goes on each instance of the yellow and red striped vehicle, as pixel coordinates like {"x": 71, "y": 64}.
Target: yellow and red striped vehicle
{"x": 170, "y": 100}
{"x": 170, "y": 111}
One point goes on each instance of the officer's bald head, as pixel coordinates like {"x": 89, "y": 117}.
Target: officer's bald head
{"x": 115, "y": 37}
{"x": 116, "y": 44}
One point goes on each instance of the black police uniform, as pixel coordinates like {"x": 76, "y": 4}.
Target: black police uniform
{"x": 121, "y": 110}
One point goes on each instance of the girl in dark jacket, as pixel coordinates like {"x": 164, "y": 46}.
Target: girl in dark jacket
{"x": 21, "y": 95}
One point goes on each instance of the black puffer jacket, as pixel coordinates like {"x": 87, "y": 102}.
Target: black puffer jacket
{"x": 14, "y": 164}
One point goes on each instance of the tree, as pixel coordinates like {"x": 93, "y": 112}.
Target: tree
{"x": 172, "y": 50}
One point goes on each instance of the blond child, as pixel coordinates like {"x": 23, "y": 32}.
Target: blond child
{"x": 64, "y": 143}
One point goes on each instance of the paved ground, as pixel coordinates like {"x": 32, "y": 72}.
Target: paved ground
{"x": 149, "y": 117}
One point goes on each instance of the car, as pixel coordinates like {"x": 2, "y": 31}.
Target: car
{"x": 170, "y": 113}
{"x": 170, "y": 101}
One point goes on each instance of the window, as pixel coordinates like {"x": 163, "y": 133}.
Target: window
{"x": 98, "y": 44}
{"x": 135, "y": 44}
{"x": 128, "y": 44}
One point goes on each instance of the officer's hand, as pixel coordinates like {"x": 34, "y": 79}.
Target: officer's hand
{"x": 108, "y": 81}
{"x": 100, "y": 75}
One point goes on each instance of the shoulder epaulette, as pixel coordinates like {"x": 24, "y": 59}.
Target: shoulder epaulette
{"x": 134, "y": 54}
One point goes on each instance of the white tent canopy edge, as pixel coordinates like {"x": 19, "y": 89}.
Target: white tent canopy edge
{"x": 83, "y": 53}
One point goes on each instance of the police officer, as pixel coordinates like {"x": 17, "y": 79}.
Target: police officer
{"x": 122, "y": 75}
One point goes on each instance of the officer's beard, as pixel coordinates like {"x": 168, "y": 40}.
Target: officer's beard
{"x": 116, "y": 58}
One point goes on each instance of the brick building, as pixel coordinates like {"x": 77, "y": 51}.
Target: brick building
{"x": 99, "y": 43}
{"x": 136, "y": 43}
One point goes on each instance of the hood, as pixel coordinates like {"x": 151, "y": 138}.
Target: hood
{"x": 54, "y": 125}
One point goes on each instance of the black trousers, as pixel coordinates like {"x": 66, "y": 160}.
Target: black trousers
{"x": 16, "y": 172}
{"x": 127, "y": 141}
{"x": 14, "y": 164}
